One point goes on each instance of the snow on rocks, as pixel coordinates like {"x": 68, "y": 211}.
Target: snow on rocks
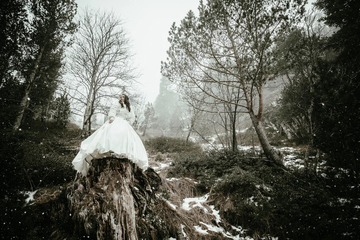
{"x": 211, "y": 215}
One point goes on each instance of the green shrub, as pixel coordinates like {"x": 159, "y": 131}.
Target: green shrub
{"x": 171, "y": 145}
{"x": 11, "y": 154}
{"x": 37, "y": 156}
{"x": 266, "y": 199}
{"x": 208, "y": 167}
{"x": 238, "y": 179}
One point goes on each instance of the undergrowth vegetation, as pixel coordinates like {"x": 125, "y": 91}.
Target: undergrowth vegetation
{"x": 265, "y": 199}
{"x": 38, "y": 156}
{"x": 171, "y": 145}
{"x": 249, "y": 191}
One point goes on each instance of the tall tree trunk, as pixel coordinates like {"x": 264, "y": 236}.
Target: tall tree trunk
{"x": 311, "y": 129}
{"x": 269, "y": 151}
{"x": 256, "y": 120}
{"x": 192, "y": 124}
{"x": 25, "y": 100}
{"x": 189, "y": 133}
{"x": 233, "y": 126}
{"x": 89, "y": 110}
{"x": 145, "y": 126}
{"x": 86, "y": 129}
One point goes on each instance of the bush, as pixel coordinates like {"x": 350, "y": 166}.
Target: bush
{"x": 37, "y": 156}
{"x": 171, "y": 145}
{"x": 238, "y": 179}
{"x": 267, "y": 199}
{"x": 208, "y": 167}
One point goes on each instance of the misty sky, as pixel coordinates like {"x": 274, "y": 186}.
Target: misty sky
{"x": 147, "y": 23}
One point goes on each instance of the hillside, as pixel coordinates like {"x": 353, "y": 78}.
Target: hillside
{"x": 186, "y": 194}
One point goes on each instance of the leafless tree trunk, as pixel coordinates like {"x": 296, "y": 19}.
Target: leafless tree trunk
{"x": 312, "y": 31}
{"x": 99, "y": 63}
{"x": 193, "y": 119}
{"x": 148, "y": 114}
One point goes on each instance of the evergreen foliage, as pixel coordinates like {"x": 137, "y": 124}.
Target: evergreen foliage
{"x": 13, "y": 35}
{"x": 167, "y": 109}
{"x": 60, "y": 109}
{"x": 338, "y": 93}
{"x": 34, "y": 35}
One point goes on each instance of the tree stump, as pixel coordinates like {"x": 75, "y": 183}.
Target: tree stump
{"x": 108, "y": 201}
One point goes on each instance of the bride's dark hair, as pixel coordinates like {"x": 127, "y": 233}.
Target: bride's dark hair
{"x": 126, "y": 101}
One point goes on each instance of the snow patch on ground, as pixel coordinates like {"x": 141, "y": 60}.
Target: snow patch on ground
{"x": 290, "y": 156}
{"x": 203, "y": 228}
{"x": 216, "y": 214}
{"x": 178, "y": 179}
{"x": 251, "y": 201}
{"x": 172, "y": 179}
{"x": 200, "y": 230}
{"x": 238, "y": 229}
{"x": 287, "y": 149}
{"x": 343, "y": 201}
{"x": 297, "y": 163}
{"x": 221, "y": 231}
{"x": 30, "y": 195}
{"x": 182, "y": 231}
{"x": 161, "y": 167}
{"x": 190, "y": 203}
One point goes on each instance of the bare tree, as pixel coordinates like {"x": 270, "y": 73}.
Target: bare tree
{"x": 99, "y": 63}
{"x": 148, "y": 116}
{"x": 224, "y": 114}
{"x": 234, "y": 39}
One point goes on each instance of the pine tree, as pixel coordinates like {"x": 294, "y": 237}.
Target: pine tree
{"x": 51, "y": 22}
{"x": 337, "y": 107}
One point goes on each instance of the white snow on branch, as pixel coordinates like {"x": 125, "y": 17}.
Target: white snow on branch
{"x": 170, "y": 204}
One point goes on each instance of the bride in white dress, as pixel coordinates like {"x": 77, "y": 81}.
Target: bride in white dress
{"x": 115, "y": 137}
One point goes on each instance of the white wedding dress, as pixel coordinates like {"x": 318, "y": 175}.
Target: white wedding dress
{"x": 113, "y": 139}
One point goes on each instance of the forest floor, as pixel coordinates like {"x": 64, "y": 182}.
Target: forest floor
{"x": 180, "y": 193}
{"x": 223, "y": 195}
